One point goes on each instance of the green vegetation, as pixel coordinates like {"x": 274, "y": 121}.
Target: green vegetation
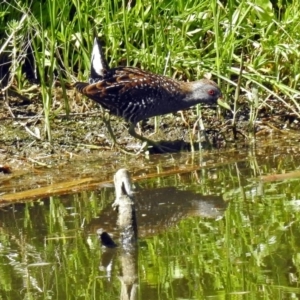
{"x": 245, "y": 45}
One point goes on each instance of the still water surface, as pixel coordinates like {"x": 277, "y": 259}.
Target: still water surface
{"x": 224, "y": 226}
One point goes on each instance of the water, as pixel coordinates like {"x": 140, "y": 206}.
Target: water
{"x": 212, "y": 226}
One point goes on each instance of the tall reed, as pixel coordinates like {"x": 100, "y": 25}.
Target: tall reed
{"x": 197, "y": 38}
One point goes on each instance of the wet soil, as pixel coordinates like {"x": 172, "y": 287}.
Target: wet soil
{"x": 83, "y": 135}
{"x": 23, "y": 128}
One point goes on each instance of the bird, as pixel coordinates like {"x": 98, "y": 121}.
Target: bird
{"x": 135, "y": 94}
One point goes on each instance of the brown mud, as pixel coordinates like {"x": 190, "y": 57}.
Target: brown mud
{"x": 83, "y": 137}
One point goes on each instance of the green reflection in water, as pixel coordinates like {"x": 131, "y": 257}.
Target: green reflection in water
{"x": 49, "y": 248}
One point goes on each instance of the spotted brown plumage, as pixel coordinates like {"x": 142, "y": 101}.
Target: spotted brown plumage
{"x": 135, "y": 94}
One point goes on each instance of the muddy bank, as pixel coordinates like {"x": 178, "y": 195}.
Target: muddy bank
{"x": 83, "y": 137}
{"x": 22, "y": 127}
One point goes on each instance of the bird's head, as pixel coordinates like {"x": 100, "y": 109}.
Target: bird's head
{"x": 201, "y": 91}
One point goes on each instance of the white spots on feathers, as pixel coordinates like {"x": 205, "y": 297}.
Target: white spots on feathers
{"x": 135, "y": 94}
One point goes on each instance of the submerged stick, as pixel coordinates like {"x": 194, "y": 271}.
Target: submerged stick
{"x": 124, "y": 204}
{"x": 127, "y": 224}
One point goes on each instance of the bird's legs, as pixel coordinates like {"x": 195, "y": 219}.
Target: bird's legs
{"x": 106, "y": 121}
{"x": 133, "y": 133}
{"x": 147, "y": 142}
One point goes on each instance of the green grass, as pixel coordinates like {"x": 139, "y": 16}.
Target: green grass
{"x": 182, "y": 39}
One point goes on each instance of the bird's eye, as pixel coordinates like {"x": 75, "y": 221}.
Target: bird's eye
{"x": 211, "y": 92}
